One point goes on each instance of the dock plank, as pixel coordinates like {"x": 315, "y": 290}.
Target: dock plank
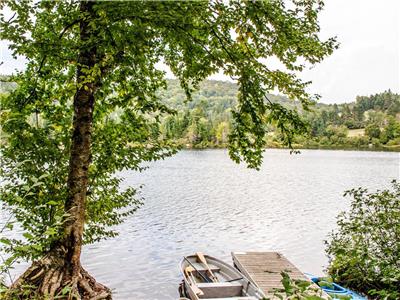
{"x": 264, "y": 269}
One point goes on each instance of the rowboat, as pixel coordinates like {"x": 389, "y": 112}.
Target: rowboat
{"x": 206, "y": 277}
{"x": 334, "y": 290}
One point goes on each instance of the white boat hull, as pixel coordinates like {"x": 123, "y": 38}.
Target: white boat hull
{"x": 230, "y": 284}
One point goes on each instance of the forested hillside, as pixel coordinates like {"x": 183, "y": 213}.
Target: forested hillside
{"x": 5, "y": 85}
{"x": 368, "y": 122}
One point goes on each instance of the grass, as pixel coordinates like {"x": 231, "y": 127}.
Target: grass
{"x": 356, "y": 132}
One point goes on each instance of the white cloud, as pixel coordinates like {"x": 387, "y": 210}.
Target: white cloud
{"x": 367, "y": 61}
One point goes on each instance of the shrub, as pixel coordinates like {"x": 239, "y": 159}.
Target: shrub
{"x": 298, "y": 290}
{"x": 394, "y": 142}
{"x": 364, "y": 251}
{"x": 373, "y": 131}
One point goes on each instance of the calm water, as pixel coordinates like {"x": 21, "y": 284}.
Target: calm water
{"x": 201, "y": 201}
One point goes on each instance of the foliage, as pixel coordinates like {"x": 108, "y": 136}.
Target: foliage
{"x": 206, "y": 121}
{"x": 373, "y": 131}
{"x": 383, "y": 102}
{"x": 391, "y": 131}
{"x": 330, "y": 126}
{"x": 29, "y": 292}
{"x": 365, "y": 250}
{"x": 6, "y": 85}
{"x": 35, "y": 163}
{"x": 298, "y": 290}
{"x": 5, "y": 265}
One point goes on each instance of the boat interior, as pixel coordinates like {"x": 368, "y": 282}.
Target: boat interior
{"x": 228, "y": 286}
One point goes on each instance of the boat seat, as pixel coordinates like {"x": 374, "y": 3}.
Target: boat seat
{"x": 201, "y": 267}
{"x": 220, "y": 290}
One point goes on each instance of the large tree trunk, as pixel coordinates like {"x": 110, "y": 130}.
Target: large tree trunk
{"x": 61, "y": 267}
{"x": 80, "y": 148}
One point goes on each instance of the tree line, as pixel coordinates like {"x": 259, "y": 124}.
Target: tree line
{"x": 206, "y": 121}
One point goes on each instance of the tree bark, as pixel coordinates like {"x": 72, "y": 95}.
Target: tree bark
{"x": 81, "y": 142}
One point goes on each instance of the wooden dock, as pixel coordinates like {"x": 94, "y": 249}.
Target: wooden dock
{"x": 264, "y": 269}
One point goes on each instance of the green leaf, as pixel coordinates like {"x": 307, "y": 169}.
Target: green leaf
{"x": 28, "y": 236}
{"x": 5, "y": 241}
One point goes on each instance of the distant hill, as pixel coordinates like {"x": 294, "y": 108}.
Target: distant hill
{"x": 367, "y": 122}
{"x": 5, "y": 85}
{"x": 213, "y": 91}
{"x": 206, "y": 121}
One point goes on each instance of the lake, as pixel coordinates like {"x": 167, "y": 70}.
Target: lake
{"x": 202, "y": 201}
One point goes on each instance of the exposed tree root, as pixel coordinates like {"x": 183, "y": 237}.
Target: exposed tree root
{"x": 52, "y": 277}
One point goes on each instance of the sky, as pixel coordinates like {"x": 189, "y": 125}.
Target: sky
{"x": 367, "y": 62}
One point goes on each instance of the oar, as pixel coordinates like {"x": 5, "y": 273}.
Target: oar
{"x": 189, "y": 275}
{"x": 236, "y": 279}
{"x": 204, "y": 262}
{"x": 198, "y": 272}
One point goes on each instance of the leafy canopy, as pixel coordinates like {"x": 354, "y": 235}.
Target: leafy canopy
{"x": 195, "y": 39}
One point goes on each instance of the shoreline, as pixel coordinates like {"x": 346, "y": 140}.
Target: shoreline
{"x": 302, "y": 147}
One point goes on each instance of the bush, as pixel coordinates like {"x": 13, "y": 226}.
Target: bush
{"x": 394, "y": 142}
{"x": 376, "y": 142}
{"x": 373, "y": 131}
{"x": 336, "y": 131}
{"x": 298, "y": 290}
{"x": 364, "y": 251}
